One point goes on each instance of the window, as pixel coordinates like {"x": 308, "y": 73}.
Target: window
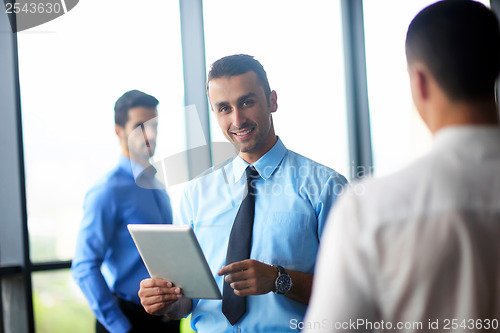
{"x": 72, "y": 70}
{"x": 299, "y": 43}
{"x": 58, "y": 305}
{"x": 399, "y": 136}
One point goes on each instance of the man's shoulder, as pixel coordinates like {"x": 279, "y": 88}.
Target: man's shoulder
{"x": 213, "y": 169}
{"x": 307, "y": 167}
{"x": 216, "y": 173}
{"x": 394, "y": 197}
{"x": 432, "y": 169}
{"x": 111, "y": 183}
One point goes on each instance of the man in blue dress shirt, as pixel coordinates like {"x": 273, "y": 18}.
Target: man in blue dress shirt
{"x": 107, "y": 265}
{"x": 293, "y": 195}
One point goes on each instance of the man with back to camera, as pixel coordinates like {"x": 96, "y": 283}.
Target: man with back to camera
{"x": 420, "y": 248}
{"x": 128, "y": 194}
{"x": 268, "y": 281}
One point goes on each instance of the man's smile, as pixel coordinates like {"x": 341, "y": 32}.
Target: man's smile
{"x": 243, "y": 133}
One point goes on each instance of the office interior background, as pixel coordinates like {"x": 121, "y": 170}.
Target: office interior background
{"x": 338, "y": 67}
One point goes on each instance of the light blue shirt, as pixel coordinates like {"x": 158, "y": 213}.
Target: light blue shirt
{"x": 293, "y": 197}
{"x": 104, "y": 241}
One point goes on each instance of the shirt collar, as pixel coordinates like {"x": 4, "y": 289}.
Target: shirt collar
{"x": 132, "y": 168}
{"x": 265, "y": 165}
{"x": 466, "y": 136}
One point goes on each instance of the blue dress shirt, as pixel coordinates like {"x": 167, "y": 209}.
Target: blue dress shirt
{"x": 293, "y": 197}
{"x": 106, "y": 262}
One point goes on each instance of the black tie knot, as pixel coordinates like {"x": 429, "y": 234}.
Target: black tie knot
{"x": 251, "y": 172}
{"x": 252, "y": 175}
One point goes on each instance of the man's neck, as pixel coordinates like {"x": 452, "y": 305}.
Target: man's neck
{"x": 481, "y": 113}
{"x": 252, "y": 157}
{"x": 145, "y": 164}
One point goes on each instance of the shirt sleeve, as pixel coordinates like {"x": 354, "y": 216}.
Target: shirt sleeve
{"x": 333, "y": 188}
{"x": 96, "y": 230}
{"x": 342, "y": 294}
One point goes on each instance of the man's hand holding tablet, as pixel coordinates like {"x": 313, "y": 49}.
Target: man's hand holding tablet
{"x": 160, "y": 297}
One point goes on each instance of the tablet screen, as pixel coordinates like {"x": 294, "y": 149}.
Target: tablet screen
{"x": 172, "y": 252}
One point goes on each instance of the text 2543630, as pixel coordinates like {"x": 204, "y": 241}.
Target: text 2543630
{"x": 33, "y": 8}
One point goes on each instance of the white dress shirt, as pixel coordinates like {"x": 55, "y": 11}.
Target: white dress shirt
{"x": 417, "y": 251}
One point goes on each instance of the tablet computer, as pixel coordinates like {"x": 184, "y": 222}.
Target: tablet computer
{"x": 172, "y": 252}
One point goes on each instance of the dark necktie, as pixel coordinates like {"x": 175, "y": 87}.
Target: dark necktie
{"x": 240, "y": 241}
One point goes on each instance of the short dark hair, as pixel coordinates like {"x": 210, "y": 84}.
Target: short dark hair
{"x": 459, "y": 41}
{"x": 236, "y": 65}
{"x": 129, "y": 100}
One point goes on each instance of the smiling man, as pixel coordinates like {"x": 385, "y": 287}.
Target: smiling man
{"x": 258, "y": 217}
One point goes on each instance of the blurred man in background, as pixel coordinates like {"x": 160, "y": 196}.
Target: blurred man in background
{"x": 107, "y": 265}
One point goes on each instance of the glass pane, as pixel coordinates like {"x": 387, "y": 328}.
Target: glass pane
{"x": 72, "y": 70}
{"x": 299, "y": 43}
{"x": 399, "y": 136}
{"x": 59, "y": 305}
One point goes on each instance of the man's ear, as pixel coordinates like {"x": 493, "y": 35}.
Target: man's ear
{"x": 119, "y": 131}
{"x": 273, "y": 101}
{"x": 419, "y": 77}
{"x": 421, "y": 89}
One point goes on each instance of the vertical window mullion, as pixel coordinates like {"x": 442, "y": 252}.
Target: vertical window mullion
{"x": 194, "y": 67}
{"x": 356, "y": 88}
{"x": 17, "y": 311}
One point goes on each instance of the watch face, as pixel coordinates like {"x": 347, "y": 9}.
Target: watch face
{"x": 283, "y": 284}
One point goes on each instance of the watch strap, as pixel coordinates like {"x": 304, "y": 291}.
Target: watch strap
{"x": 281, "y": 270}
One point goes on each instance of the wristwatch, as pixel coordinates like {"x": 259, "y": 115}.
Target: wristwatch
{"x": 283, "y": 282}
